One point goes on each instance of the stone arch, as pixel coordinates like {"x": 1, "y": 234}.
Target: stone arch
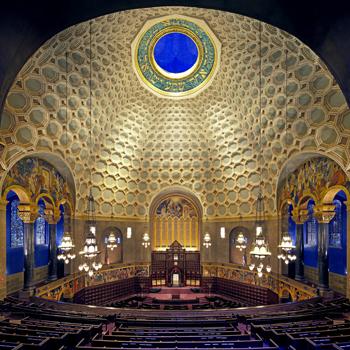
{"x": 115, "y": 256}
{"x": 184, "y": 226}
{"x": 56, "y": 162}
{"x": 294, "y": 162}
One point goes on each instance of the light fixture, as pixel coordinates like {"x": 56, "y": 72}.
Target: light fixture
{"x": 260, "y": 253}
{"x": 66, "y": 248}
{"x": 146, "y": 240}
{"x": 112, "y": 241}
{"x": 286, "y": 247}
{"x": 222, "y": 232}
{"x": 241, "y": 241}
{"x": 90, "y": 250}
{"x": 128, "y": 232}
{"x": 207, "y": 240}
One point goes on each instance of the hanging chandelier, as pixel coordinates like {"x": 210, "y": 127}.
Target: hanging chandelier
{"x": 260, "y": 253}
{"x": 207, "y": 240}
{"x": 90, "y": 250}
{"x": 66, "y": 248}
{"x": 112, "y": 241}
{"x": 286, "y": 247}
{"x": 241, "y": 241}
{"x": 146, "y": 240}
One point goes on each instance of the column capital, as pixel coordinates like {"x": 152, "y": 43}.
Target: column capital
{"x": 299, "y": 216}
{"x": 28, "y": 213}
{"x": 52, "y": 216}
{"x": 324, "y": 213}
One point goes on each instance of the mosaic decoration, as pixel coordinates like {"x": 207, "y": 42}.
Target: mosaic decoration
{"x": 311, "y": 227}
{"x": 37, "y": 177}
{"x": 207, "y": 144}
{"x": 158, "y": 79}
{"x": 17, "y": 228}
{"x": 313, "y": 177}
{"x": 176, "y": 207}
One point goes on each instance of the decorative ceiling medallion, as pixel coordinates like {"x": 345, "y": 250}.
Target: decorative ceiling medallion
{"x": 176, "y": 56}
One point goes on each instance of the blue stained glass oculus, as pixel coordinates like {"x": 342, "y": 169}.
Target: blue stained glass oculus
{"x": 175, "y": 52}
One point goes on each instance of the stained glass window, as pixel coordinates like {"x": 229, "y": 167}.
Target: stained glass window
{"x": 16, "y": 226}
{"x": 40, "y": 227}
{"x": 311, "y": 227}
{"x": 336, "y": 226}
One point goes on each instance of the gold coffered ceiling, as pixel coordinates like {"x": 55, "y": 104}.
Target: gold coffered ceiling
{"x": 144, "y": 143}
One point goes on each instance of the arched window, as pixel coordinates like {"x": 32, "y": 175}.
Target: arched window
{"x": 311, "y": 226}
{"x": 41, "y": 226}
{"x": 16, "y": 225}
{"x": 336, "y": 225}
{"x": 14, "y": 236}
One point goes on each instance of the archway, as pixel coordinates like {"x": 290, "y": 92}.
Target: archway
{"x": 114, "y": 256}
{"x": 175, "y": 215}
{"x": 237, "y": 256}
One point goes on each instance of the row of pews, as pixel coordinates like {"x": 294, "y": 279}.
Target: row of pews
{"x": 48, "y": 325}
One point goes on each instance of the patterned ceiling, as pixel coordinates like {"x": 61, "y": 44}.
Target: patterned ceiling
{"x": 143, "y": 143}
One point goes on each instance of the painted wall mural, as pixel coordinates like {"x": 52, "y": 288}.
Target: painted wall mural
{"x": 38, "y": 176}
{"x": 176, "y": 207}
{"x": 314, "y": 177}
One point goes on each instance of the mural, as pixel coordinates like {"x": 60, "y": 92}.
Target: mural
{"x": 176, "y": 207}
{"x": 313, "y": 177}
{"x": 37, "y": 177}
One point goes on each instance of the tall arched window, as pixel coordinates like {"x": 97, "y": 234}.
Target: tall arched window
{"x": 336, "y": 225}
{"x": 14, "y": 236}
{"x": 41, "y": 227}
{"x": 311, "y": 226}
{"x": 41, "y": 236}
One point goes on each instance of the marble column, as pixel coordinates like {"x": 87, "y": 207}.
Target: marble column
{"x": 3, "y": 291}
{"x": 323, "y": 214}
{"x": 28, "y": 214}
{"x": 52, "y": 217}
{"x": 299, "y": 216}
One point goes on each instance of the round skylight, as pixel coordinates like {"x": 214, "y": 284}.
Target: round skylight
{"x": 175, "y": 55}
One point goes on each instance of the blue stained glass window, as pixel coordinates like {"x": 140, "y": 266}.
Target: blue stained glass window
{"x": 175, "y": 52}
{"x": 336, "y": 226}
{"x": 40, "y": 227}
{"x": 16, "y": 226}
{"x": 311, "y": 227}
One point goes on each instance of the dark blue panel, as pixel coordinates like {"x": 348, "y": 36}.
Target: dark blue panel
{"x": 291, "y": 225}
{"x": 175, "y": 52}
{"x": 41, "y": 255}
{"x": 60, "y": 228}
{"x": 310, "y": 238}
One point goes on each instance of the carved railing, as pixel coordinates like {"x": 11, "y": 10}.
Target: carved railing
{"x": 71, "y": 284}
{"x": 279, "y": 284}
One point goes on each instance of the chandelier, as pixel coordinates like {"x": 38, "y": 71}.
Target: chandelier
{"x": 90, "y": 250}
{"x": 241, "y": 241}
{"x": 66, "y": 247}
{"x": 260, "y": 252}
{"x": 207, "y": 240}
{"x": 286, "y": 247}
{"x": 112, "y": 241}
{"x": 146, "y": 240}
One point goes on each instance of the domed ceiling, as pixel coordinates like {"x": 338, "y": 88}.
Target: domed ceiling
{"x": 142, "y": 142}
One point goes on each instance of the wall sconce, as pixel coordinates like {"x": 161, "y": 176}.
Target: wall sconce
{"x": 222, "y": 232}
{"x": 207, "y": 240}
{"x": 128, "y": 232}
{"x": 146, "y": 240}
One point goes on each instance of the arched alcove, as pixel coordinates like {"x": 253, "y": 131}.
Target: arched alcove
{"x": 236, "y": 256}
{"x": 175, "y": 215}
